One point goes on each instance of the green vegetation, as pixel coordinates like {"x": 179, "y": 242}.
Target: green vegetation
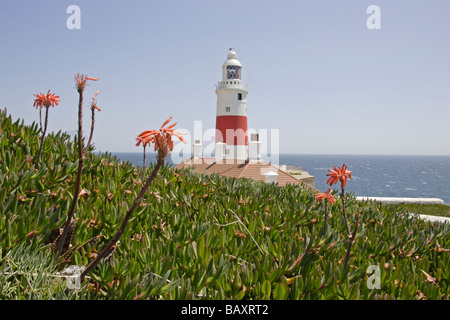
{"x": 433, "y": 209}
{"x": 197, "y": 237}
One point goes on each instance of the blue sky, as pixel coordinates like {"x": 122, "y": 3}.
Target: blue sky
{"x": 313, "y": 68}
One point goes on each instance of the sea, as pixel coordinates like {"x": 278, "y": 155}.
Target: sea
{"x": 372, "y": 175}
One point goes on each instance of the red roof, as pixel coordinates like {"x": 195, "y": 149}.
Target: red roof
{"x": 240, "y": 169}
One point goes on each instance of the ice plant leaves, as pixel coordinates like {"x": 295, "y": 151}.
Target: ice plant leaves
{"x": 279, "y": 219}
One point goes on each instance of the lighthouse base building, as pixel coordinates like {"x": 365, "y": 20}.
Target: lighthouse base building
{"x": 234, "y": 155}
{"x": 256, "y": 170}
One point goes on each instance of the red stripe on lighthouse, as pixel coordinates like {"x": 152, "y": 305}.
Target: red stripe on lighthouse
{"x": 232, "y": 130}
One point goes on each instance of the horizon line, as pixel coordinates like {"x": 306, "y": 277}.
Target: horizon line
{"x": 311, "y": 154}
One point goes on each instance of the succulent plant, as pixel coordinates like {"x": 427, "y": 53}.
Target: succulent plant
{"x": 198, "y": 236}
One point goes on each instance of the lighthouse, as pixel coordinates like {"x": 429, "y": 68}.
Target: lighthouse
{"x": 236, "y": 156}
{"x": 231, "y": 116}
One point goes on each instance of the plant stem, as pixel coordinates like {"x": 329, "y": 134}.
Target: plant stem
{"x": 240, "y": 221}
{"x": 326, "y": 216}
{"x": 143, "y": 166}
{"x": 344, "y": 211}
{"x": 122, "y": 228}
{"x": 36, "y": 165}
{"x": 78, "y": 181}
{"x": 91, "y": 134}
{"x": 351, "y": 240}
{"x": 40, "y": 117}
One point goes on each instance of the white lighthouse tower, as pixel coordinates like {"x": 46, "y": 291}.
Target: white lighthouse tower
{"x": 231, "y": 119}
{"x": 232, "y": 146}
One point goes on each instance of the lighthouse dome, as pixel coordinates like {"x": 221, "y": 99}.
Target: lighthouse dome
{"x": 231, "y": 55}
{"x": 232, "y": 59}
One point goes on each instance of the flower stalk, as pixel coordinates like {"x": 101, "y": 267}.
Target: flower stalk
{"x": 44, "y": 101}
{"x": 93, "y": 108}
{"x": 341, "y": 175}
{"x": 162, "y": 140}
{"x": 80, "y": 81}
{"x": 326, "y": 197}
{"x": 40, "y": 118}
{"x": 351, "y": 239}
{"x": 36, "y": 165}
{"x": 144, "y": 145}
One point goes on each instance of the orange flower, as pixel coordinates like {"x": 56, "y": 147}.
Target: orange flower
{"x": 93, "y": 98}
{"x": 39, "y": 101}
{"x": 46, "y": 100}
{"x": 327, "y": 196}
{"x": 80, "y": 80}
{"x": 162, "y": 138}
{"x": 94, "y": 102}
{"x": 141, "y": 140}
{"x": 339, "y": 174}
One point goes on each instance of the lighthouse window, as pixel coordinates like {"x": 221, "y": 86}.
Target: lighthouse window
{"x": 233, "y": 72}
{"x": 227, "y": 109}
{"x": 239, "y": 96}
